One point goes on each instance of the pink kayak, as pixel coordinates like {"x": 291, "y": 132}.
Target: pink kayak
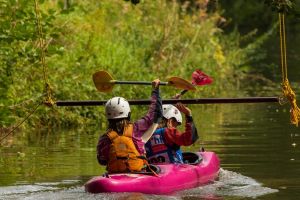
{"x": 203, "y": 168}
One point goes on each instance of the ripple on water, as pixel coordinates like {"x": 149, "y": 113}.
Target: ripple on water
{"x": 231, "y": 184}
{"x": 79, "y": 194}
{"x": 35, "y": 191}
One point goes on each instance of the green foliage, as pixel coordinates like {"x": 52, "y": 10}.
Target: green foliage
{"x": 280, "y": 5}
{"x": 154, "y": 39}
{"x": 21, "y": 73}
{"x": 247, "y": 15}
{"x": 134, "y": 1}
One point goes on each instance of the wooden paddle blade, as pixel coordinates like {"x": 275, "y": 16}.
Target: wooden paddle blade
{"x": 103, "y": 81}
{"x": 181, "y": 83}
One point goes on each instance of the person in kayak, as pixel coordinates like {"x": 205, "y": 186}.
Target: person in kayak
{"x": 164, "y": 145}
{"x": 121, "y": 148}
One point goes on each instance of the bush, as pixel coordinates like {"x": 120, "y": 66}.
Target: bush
{"x": 154, "y": 39}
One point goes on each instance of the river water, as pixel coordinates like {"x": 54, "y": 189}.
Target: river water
{"x": 258, "y": 147}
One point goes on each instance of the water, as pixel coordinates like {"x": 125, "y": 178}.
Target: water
{"x": 257, "y": 146}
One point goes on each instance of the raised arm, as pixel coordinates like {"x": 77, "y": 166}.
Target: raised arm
{"x": 154, "y": 114}
{"x": 189, "y": 136}
{"x": 157, "y": 114}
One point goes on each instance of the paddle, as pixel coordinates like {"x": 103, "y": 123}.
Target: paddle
{"x": 104, "y": 82}
{"x": 198, "y": 78}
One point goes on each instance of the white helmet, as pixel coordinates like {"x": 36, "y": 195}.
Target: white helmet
{"x": 117, "y": 107}
{"x": 170, "y": 111}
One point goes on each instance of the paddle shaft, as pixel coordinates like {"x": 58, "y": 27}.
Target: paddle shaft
{"x": 183, "y": 92}
{"x": 173, "y": 101}
{"x": 137, "y": 82}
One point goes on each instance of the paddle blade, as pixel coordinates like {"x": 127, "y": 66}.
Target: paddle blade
{"x": 103, "y": 81}
{"x": 199, "y": 78}
{"x": 181, "y": 83}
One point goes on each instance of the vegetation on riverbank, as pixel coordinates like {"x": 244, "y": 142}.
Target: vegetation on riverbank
{"x": 154, "y": 39}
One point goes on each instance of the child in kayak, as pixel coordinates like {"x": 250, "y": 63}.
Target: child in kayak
{"x": 164, "y": 145}
{"x": 121, "y": 148}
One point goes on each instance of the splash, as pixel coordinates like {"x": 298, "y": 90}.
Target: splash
{"x": 45, "y": 190}
{"x": 230, "y": 184}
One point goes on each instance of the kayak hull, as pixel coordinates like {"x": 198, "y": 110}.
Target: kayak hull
{"x": 172, "y": 178}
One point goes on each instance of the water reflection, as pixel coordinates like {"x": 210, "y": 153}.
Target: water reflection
{"x": 258, "y": 148}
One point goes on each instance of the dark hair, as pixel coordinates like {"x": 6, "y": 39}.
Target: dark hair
{"x": 163, "y": 123}
{"x": 117, "y": 125}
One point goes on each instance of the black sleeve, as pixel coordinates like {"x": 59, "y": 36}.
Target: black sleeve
{"x": 158, "y": 107}
{"x": 195, "y": 136}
